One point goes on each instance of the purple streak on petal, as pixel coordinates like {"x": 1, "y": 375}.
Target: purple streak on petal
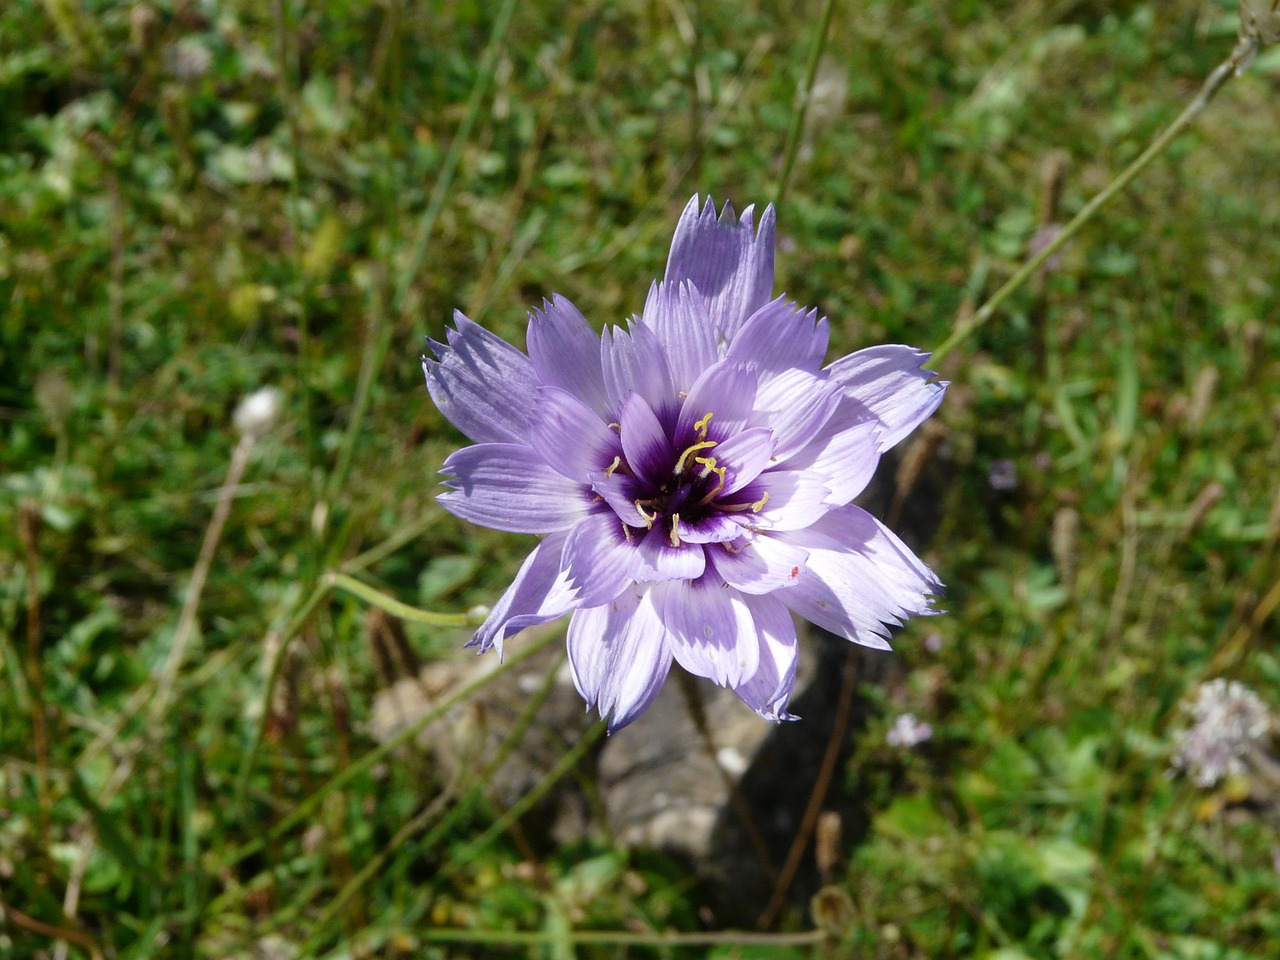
{"x": 659, "y": 560}
{"x": 796, "y": 499}
{"x": 539, "y": 594}
{"x": 729, "y": 262}
{"x": 633, "y": 361}
{"x": 712, "y": 633}
{"x": 481, "y": 383}
{"x": 678, "y": 316}
{"x": 599, "y": 559}
{"x": 891, "y": 384}
{"x": 566, "y": 353}
{"x": 645, "y": 441}
{"x": 569, "y": 436}
{"x": 769, "y": 689}
{"x": 619, "y": 656}
{"x": 760, "y": 565}
{"x": 743, "y": 456}
{"x": 796, "y": 405}
{"x": 781, "y": 336}
{"x": 727, "y": 391}
{"x": 621, "y": 491}
{"x": 508, "y": 486}
{"x": 846, "y": 458}
{"x": 860, "y": 578}
{"x": 713, "y": 528}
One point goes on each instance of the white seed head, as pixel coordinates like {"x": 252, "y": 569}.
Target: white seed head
{"x": 1227, "y": 720}
{"x": 908, "y": 732}
{"x": 258, "y": 412}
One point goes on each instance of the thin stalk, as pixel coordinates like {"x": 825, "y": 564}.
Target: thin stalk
{"x": 802, "y": 108}
{"x": 1234, "y": 64}
{"x": 619, "y": 938}
{"x": 361, "y": 766}
{"x": 396, "y": 608}
{"x": 488, "y": 67}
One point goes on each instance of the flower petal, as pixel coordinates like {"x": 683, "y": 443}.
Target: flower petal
{"x": 565, "y": 352}
{"x": 743, "y": 456}
{"x": 634, "y": 361}
{"x": 712, "y": 633}
{"x": 860, "y": 578}
{"x": 845, "y": 458}
{"x": 599, "y": 559}
{"x": 619, "y": 656}
{"x": 891, "y": 384}
{"x": 781, "y": 336}
{"x": 759, "y": 565}
{"x": 569, "y": 436}
{"x": 481, "y": 383}
{"x": 677, "y": 313}
{"x": 660, "y": 561}
{"x": 539, "y": 593}
{"x": 727, "y": 391}
{"x": 622, "y": 491}
{"x": 769, "y": 688}
{"x": 796, "y": 405}
{"x": 644, "y": 441}
{"x": 729, "y": 262}
{"x": 713, "y": 528}
{"x": 508, "y": 486}
{"x": 781, "y": 500}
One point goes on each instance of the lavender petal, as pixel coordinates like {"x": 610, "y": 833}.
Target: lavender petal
{"x": 539, "y": 593}
{"x": 569, "y": 436}
{"x": 781, "y": 336}
{"x": 759, "y": 565}
{"x": 890, "y": 383}
{"x": 508, "y": 486}
{"x": 769, "y": 689}
{"x": 677, "y": 314}
{"x": 860, "y": 578}
{"x": 481, "y": 383}
{"x": 712, "y": 633}
{"x": 729, "y": 262}
{"x": 619, "y": 656}
{"x": 565, "y": 352}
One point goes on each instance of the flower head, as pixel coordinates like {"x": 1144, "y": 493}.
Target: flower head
{"x": 1228, "y": 719}
{"x": 691, "y": 473}
{"x": 907, "y": 731}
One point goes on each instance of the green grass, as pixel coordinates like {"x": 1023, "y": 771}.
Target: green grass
{"x": 331, "y": 180}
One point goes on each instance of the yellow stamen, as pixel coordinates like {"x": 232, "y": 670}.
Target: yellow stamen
{"x": 709, "y": 467}
{"x": 617, "y": 427}
{"x": 759, "y": 504}
{"x": 617, "y": 462}
{"x": 680, "y": 464}
{"x": 675, "y": 529}
{"x": 701, "y": 426}
{"x": 648, "y": 520}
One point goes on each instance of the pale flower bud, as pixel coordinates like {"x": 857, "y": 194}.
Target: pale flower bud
{"x": 1261, "y": 19}
{"x": 258, "y": 412}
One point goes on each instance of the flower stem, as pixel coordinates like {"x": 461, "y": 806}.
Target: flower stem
{"x": 802, "y": 108}
{"x": 1240, "y": 57}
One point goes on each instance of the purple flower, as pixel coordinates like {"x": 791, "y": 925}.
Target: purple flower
{"x": 691, "y": 474}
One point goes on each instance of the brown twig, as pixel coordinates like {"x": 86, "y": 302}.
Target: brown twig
{"x": 810, "y": 821}
{"x": 29, "y": 532}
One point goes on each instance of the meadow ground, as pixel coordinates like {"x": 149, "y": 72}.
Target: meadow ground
{"x": 198, "y": 199}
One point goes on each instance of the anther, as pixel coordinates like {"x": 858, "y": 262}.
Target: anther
{"x": 617, "y": 462}
{"x": 675, "y": 529}
{"x": 617, "y": 427}
{"x": 759, "y": 504}
{"x": 701, "y": 426}
{"x": 648, "y": 519}
{"x": 680, "y": 464}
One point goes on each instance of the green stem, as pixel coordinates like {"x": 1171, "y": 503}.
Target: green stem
{"x": 1240, "y": 56}
{"x": 363, "y": 765}
{"x": 797, "y": 119}
{"x": 488, "y": 67}
{"x": 395, "y": 607}
{"x": 621, "y": 938}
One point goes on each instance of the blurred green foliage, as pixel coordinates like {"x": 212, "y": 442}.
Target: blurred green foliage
{"x": 199, "y": 197}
